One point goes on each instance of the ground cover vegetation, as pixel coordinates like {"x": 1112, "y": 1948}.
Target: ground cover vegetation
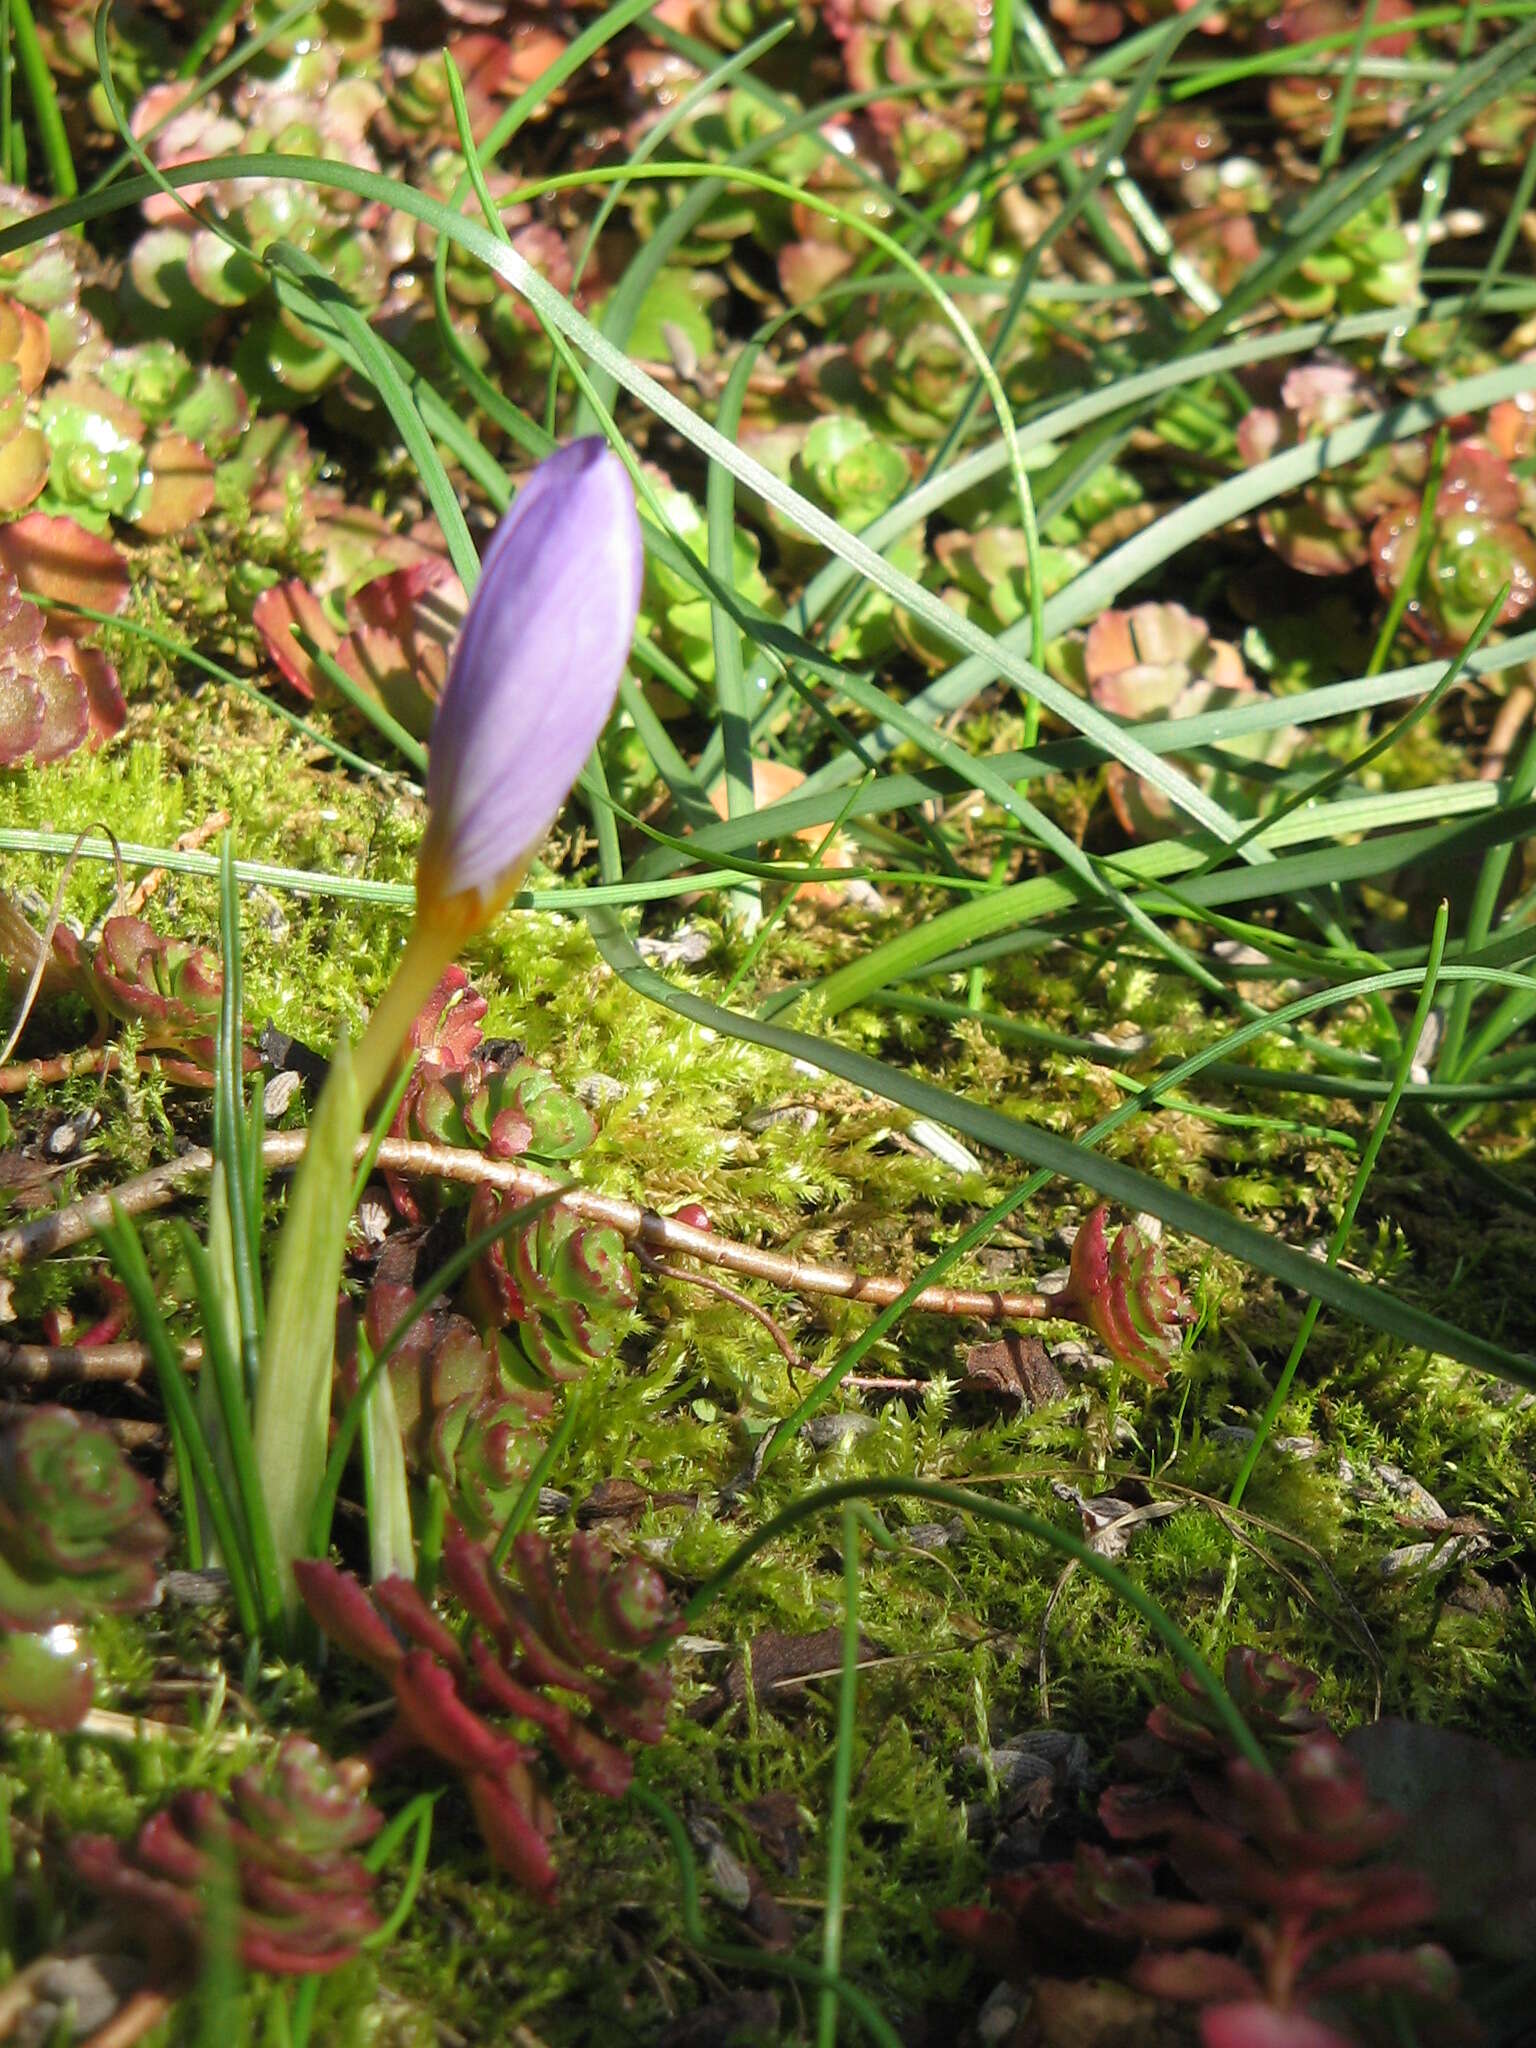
{"x": 881, "y": 1387}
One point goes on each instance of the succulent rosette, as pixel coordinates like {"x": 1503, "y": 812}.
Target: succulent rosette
{"x": 55, "y": 694}
{"x": 290, "y": 1831}
{"x": 1265, "y": 1899}
{"x": 460, "y": 1418}
{"x": 985, "y": 576}
{"x": 79, "y": 1532}
{"x": 169, "y": 986}
{"x": 1368, "y": 262}
{"x": 1159, "y": 660}
{"x": 1273, "y": 1695}
{"x": 1481, "y": 543}
{"x": 904, "y": 42}
{"x": 565, "y": 1285}
{"x": 534, "y": 1642}
{"x": 1127, "y": 1294}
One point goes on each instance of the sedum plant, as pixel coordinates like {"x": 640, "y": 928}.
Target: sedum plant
{"x": 79, "y": 1537}
{"x": 1481, "y": 540}
{"x": 1159, "y": 660}
{"x": 461, "y": 1421}
{"x": 55, "y": 694}
{"x": 565, "y": 1286}
{"x": 1127, "y": 1294}
{"x": 560, "y": 1651}
{"x": 288, "y": 1834}
{"x": 1267, "y": 1899}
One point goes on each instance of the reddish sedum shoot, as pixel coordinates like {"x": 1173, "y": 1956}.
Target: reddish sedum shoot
{"x": 557, "y": 1653}
{"x": 290, "y": 1830}
{"x": 1127, "y": 1295}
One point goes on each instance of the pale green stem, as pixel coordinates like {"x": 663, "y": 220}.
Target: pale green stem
{"x": 428, "y": 952}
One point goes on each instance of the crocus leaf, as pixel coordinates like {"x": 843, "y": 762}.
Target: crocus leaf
{"x": 293, "y": 1394}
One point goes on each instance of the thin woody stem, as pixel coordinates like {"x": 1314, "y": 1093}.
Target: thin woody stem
{"x": 163, "y": 1184}
{"x": 103, "y": 1059}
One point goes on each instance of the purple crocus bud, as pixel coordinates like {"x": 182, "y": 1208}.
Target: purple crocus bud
{"x": 533, "y": 680}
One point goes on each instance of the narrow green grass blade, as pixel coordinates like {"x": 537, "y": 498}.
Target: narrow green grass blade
{"x": 391, "y": 1549}
{"x": 1346, "y": 1221}
{"x": 127, "y": 1255}
{"x": 842, "y": 1784}
{"x": 1374, "y": 1306}
{"x": 33, "y": 67}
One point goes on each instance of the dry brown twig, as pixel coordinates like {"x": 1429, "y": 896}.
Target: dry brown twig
{"x": 161, "y": 1186}
{"x": 97, "y": 1059}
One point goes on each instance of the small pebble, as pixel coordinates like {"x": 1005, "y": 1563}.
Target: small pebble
{"x": 685, "y": 948}
{"x": 63, "y": 1141}
{"x": 597, "y": 1090}
{"x": 1012, "y": 1768}
{"x": 798, "y": 1114}
{"x": 374, "y": 1217}
{"x": 1438, "y": 1557}
{"x": 77, "y": 1994}
{"x": 195, "y": 1589}
{"x": 279, "y": 1093}
{"x": 1415, "y": 1501}
{"x": 837, "y": 1432}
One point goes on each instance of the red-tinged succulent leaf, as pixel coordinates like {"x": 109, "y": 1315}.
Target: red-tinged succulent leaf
{"x": 342, "y": 1612}
{"x": 1132, "y": 1813}
{"x": 305, "y": 1802}
{"x": 991, "y": 1935}
{"x": 47, "y": 1679}
{"x": 24, "y": 342}
{"x": 177, "y": 488}
{"x": 103, "y": 693}
{"x": 590, "y": 1760}
{"x": 56, "y": 560}
{"x": 446, "y": 1032}
{"x": 567, "y": 1286}
{"x": 66, "y": 720}
{"x": 470, "y": 1575}
{"x": 511, "y": 1835}
{"x": 21, "y": 717}
{"x": 1271, "y": 1693}
{"x": 444, "y": 1704}
{"x": 275, "y": 614}
{"x": 24, "y": 463}
{"x": 437, "y": 1719}
{"x": 79, "y": 1533}
{"x": 1254, "y": 2025}
{"x": 400, "y": 1603}
{"x": 1478, "y": 545}
{"x": 483, "y": 1451}
{"x": 1194, "y": 1976}
{"x": 169, "y": 986}
{"x": 21, "y": 624}
{"x": 157, "y": 1904}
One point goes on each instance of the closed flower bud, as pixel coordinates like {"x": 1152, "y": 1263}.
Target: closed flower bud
{"x": 533, "y": 680}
